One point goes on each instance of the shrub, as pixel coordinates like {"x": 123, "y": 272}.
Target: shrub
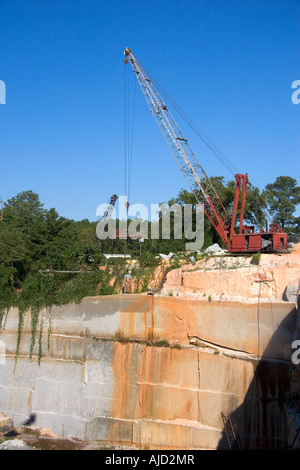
{"x": 175, "y": 263}
{"x": 256, "y": 259}
{"x": 148, "y": 260}
{"x": 161, "y": 344}
{"x": 119, "y": 334}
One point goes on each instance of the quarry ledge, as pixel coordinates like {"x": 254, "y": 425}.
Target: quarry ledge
{"x": 203, "y": 347}
{"x": 159, "y": 321}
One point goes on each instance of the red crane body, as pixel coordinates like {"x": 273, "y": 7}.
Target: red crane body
{"x": 273, "y": 239}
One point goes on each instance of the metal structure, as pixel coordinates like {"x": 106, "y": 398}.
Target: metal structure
{"x": 55, "y": 271}
{"x": 110, "y": 207}
{"x": 231, "y": 432}
{"x": 107, "y": 214}
{"x": 245, "y": 239}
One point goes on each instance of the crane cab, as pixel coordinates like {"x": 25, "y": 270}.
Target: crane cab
{"x": 264, "y": 242}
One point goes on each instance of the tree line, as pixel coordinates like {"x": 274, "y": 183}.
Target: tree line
{"x": 35, "y": 241}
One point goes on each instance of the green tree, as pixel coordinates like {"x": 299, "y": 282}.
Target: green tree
{"x": 282, "y": 197}
{"x": 25, "y": 211}
{"x": 24, "y": 216}
{"x": 294, "y": 230}
{"x": 255, "y": 207}
{"x": 33, "y": 239}
{"x": 59, "y": 238}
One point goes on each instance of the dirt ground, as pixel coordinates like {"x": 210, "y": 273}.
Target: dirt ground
{"x": 33, "y": 438}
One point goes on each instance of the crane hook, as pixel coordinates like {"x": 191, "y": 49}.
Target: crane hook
{"x": 126, "y": 52}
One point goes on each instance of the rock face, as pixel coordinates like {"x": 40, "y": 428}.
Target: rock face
{"x": 236, "y": 278}
{"x": 153, "y": 372}
{"x": 5, "y": 422}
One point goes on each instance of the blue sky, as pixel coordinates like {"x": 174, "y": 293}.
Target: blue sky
{"x": 229, "y": 64}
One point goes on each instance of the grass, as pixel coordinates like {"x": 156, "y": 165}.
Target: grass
{"x": 256, "y": 259}
{"x": 119, "y": 335}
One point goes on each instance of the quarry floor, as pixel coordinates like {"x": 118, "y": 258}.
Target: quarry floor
{"x": 34, "y": 438}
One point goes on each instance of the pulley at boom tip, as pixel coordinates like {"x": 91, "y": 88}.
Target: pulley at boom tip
{"x": 127, "y": 51}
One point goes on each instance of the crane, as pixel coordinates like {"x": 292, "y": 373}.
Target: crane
{"x": 242, "y": 239}
{"x": 107, "y": 214}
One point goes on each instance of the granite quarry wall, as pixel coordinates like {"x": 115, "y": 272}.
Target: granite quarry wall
{"x": 154, "y": 371}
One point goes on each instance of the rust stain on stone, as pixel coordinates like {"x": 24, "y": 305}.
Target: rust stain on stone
{"x": 135, "y": 317}
{"x": 152, "y": 383}
{"x": 124, "y": 368}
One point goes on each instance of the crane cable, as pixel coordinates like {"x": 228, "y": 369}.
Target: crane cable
{"x": 131, "y": 147}
{"x": 128, "y": 139}
{"x": 205, "y": 139}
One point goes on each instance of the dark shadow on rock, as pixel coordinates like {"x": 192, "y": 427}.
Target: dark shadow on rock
{"x": 262, "y": 420}
{"x": 11, "y": 433}
{"x": 30, "y": 420}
